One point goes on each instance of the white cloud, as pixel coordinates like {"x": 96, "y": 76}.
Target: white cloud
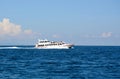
{"x": 11, "y": 29}
{"x": 89, "y": 36}
{"x": 101, "y": 35}
{"x": 28, "y": 31}
{"x": 8, "y": 28}
{"x": 11, "y": 33}
{"x": 106, "y": 34}
{"x": 56, "y": 36}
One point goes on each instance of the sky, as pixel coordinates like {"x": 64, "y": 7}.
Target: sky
{"x": 80, "y": 22}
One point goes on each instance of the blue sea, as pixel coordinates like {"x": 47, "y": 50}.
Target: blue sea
{"x": 80, "y": 62}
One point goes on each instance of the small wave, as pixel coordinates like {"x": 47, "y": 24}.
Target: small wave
{"x": 16, "y": 47}
{"x": 13, "y": 47}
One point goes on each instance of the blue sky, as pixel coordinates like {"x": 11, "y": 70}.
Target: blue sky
{"x": 82, "y": 22}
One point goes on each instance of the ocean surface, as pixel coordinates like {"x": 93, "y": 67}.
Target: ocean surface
{"x": 80, "y": 62}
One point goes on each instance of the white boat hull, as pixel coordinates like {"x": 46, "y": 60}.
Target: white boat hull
{"x": 55, "y": 47}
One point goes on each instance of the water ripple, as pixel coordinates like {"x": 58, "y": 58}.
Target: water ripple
{"x": 82, "y": 62}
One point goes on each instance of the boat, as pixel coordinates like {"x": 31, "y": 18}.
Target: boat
{"x": 46, "y": 44}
